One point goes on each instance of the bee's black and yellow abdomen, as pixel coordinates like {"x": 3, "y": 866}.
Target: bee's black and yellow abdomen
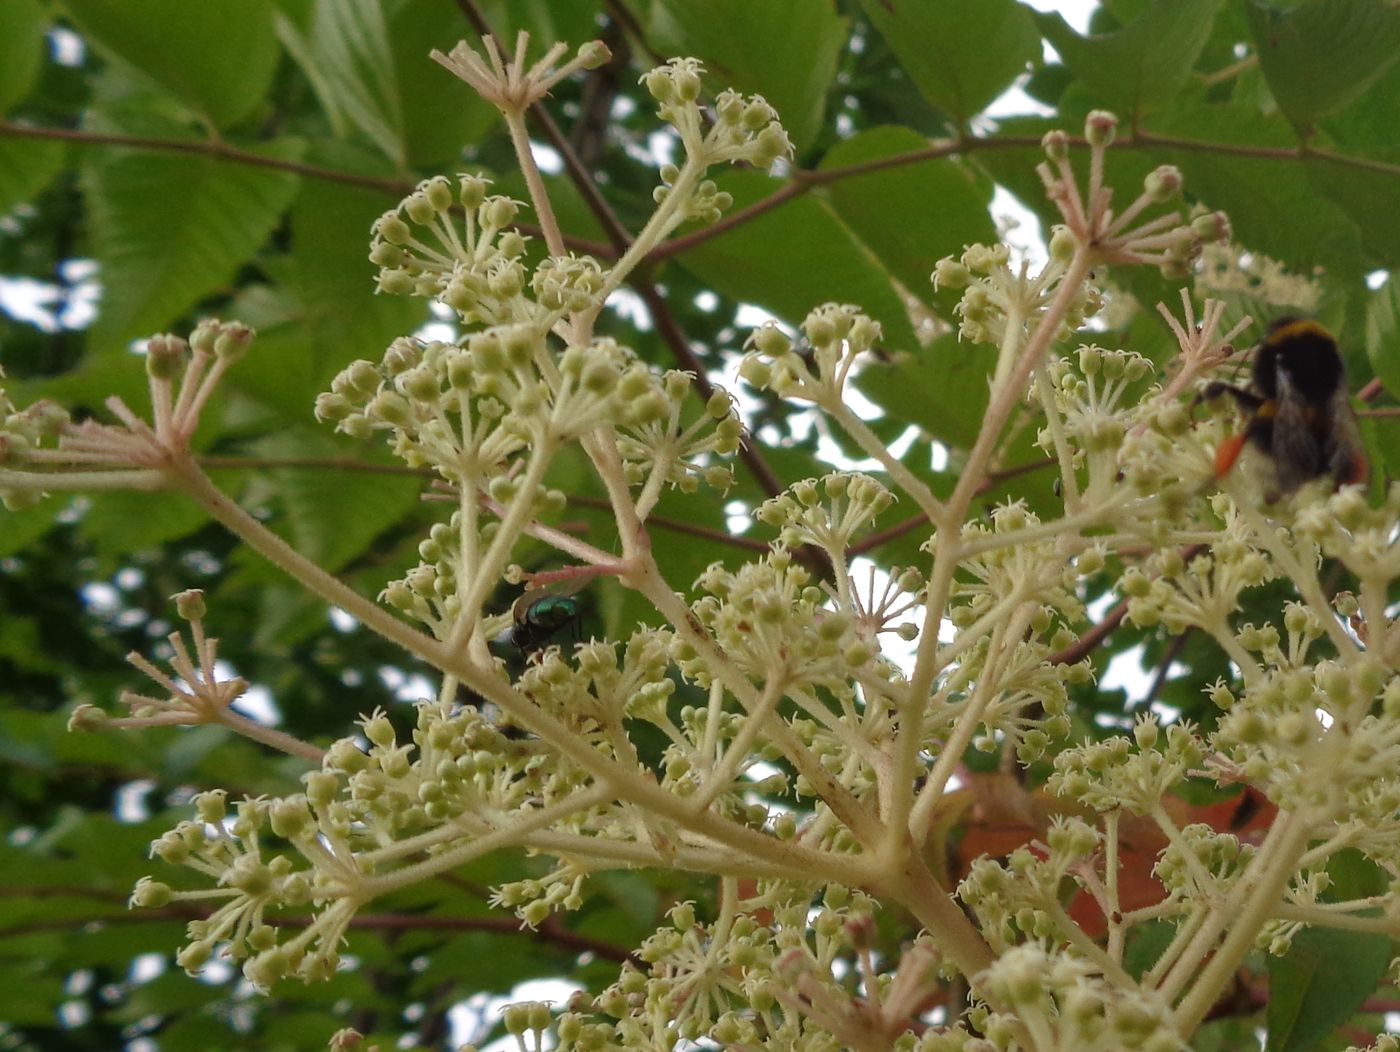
{"x": 1299, "y": 358}
{"x": 1299, "y": 412}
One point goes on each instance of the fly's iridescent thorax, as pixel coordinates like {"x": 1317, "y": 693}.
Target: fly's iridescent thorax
{"x": 549, "y": 613}
{"x": 539, "y": 617}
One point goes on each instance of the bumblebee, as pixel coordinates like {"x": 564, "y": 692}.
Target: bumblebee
{"x": 1299, "y": 410}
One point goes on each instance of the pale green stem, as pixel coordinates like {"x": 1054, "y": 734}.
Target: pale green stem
{"x": 1225, "y": 913}
{"x": 1003, "y": 642}
{"x": 539, "y": 197}
{"x": 1303, "y": 576}
{"x": 275, "y": 550}
{"x": 1081, "y": 520}
{"x": 1220, "y": 631}
{"x": 468, "y": 535}
{"x": 1063, "y": 453}
{"x": 1336, "y": 842}
{"x": 1113, "y": 913}
{"x": 1318, "y": 916}
{"x": 1186, "y": 933}
{"x": 145, "y": 479}
{"x": 648, "y": 581}
{"x": 1373, "y": 603}
{"x": 943, "y": 918}
{"x": 1008, "y": 395}
{"x": 627, "y": 784}
{"x": 271, "y": 737}
{"x": 651, "y": 490}
{"x": 1012, "y": 335}
{"x": 715, "y": 711}
{"x": 665, "y": 219}
{"x": 705, "y": 858}
{"x": 870, "y": 443}
{"x": 1004, "y": 400}
{"x": 521, "y": 824}
{"x": 601, "y": 448}
{"x": 1205, "y": 883}
{"x": 1089, "y": 949}
{"x": 909, "y": 737}
{"x": 842, "y": 728}
{"x": 1259, "y": 903}
{"x": 487, "y": 573}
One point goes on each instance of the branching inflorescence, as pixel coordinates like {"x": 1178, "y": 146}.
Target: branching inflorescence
{"x": 814, "y": 779}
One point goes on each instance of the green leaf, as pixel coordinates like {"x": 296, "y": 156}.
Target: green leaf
{"x": 21, "y": 48}
{"x": 1383, "y": 333}
{"x": 911, "y": 215}
{"x": 944, "y": 47}
{"x": 1272, "y": 204}
{"x": 26, "y": 167}
{"x": 797, "y": 257}
{"x": 1142, "y": 65}
{"x": 1320, "y": 55}
{"x": 19, "y": 529}
{"x": 1367, "y": 195}
{"x": 345, "y": 54}
{"x": 169, "y": 229}
{"x": 942, "y": 388}
{"x": 785, "y": 50}
{"x": 1319, "y": 983}
{"x": 218, "y": 58}
{"x": 345, "y": 317}
{"x": 1383, "y": 351}
{"x": 334, "y": 515}
{"x": 129, "y": 521}
{"x": 441, "y": 115}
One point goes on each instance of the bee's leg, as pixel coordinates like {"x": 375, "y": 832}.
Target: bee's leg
{"x": 1246, "y": 399}
{"x": 1352, "y": 469}
{"x": 1229, "y": 452}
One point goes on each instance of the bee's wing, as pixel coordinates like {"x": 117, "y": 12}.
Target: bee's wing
{"x": 1343, "y": 448}
{"x": 1298, "y": 455}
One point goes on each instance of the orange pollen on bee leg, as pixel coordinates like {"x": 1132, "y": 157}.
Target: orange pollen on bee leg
{"x": 1358, "y": 471}
{"x": 1227, "y": 454}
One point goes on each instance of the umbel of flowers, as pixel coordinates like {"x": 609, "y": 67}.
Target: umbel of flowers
{"x": 811, "y": 782}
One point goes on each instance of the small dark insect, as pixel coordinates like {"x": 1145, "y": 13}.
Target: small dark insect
{"x": 1299, "y": 410}
{"x": 539, "y": 617}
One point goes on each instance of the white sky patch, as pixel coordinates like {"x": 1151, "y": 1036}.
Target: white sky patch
{"x": 1377, "y": 279}
{"x": 470, "y": 1019}
{"x": 406, "y": 686}
{"x": 938, "y": 456}
{"x": 737, "y": 519}
{"x": 547, "y": 159}
{"x": 66, "y": 47}
{"x": 871, "y": 590}
{"x": 101, "y": 598}
{"x": 256, "y": 703}
{"x": 661, "y": 146}
{"x": 627, "y": 305}
{"x": 130, "y": 803}
{"x": 341, "y": 621}
{"x": 1021, "y": 227}
{"x": 146, "y": 967}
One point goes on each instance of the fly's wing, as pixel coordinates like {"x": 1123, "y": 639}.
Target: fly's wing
{"x": 1297, "y": 452}
{"x": 1343, "y": 448}
{"x": 534, "y": 592}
